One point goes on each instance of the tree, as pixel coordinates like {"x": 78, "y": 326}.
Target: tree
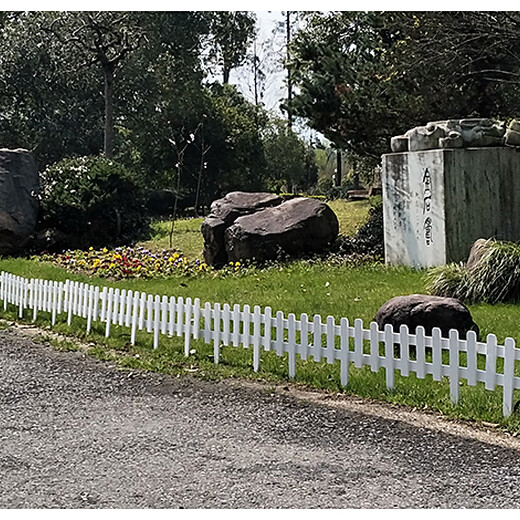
{"x": 105, "y": 38}
{"x": 291, "y": 164}
{"x": 231, "y": 33}
{"x": 363, "y": 77}
{"x": 54, "y": 112}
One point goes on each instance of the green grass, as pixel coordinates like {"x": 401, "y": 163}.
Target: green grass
{"x": 186, "y": 237}
{"x": 305, "y": 286}
{"x": 351, "y": 215}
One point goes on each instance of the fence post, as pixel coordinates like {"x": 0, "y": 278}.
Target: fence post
{"x": 109, "y": 311}
{"x": 54, "y": 304}
{"x": 216, "y": 333}
{"x": 256, "y": 338}
{"x": 35, "y": 298}
{"x": 316, "y": 325}
{"x": 180, "y": 313}
{"x": 437, "y": 353}
{"x": 21, "y": 297}
{"x": 171, "y": 316}
{"x": 491, "y": 362}
{"x": 90, "y": 307}
{"x": 509, "y": 374}
{"x": 129, "y": 308}
{"x": 135, "y": 315}
{"x": 196, "y": 318}
{"x": 345, "y": 351}
{"x": 226, "y": 319}
{"x": 235, "y": 337}
{"x": 454, "y": 366}
{"x": 246, "y": 320}
{"x": 156, "y": 320}
{"x": 389, "y": 356}
{"x": 142, "y": 310}
{"x": 404, "y": 350}
{"x": 207, "y": 323}
{"x": 304, "y": 336}
{"x": 420, "y": 349}
{"x": 291, "y": 341}
{"x": 103, "y": 310}
{"x": 164, "y": 314}
{"x": 60, "y": 297}
{"x": 2, "y": 285}
{"x": 268, "y": 323}
{"x": 187, "y": 326}
{"x": 331, "y": 339}
{"x": 279, "y": 333}
{"x": 471, "y": 356}
{"x": 374, "y": 347}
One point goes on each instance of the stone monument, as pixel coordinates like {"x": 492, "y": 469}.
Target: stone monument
{"x": 19, "y": 186}
{"x": 447, "y": 184}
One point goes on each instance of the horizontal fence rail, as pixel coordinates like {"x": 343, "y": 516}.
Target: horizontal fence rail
{"x": 310, "y": 338}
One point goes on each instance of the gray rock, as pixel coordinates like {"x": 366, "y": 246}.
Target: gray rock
{"x": 428, "y": 311}
{"x": 238, "y": 203}
{"x": 294, "y": 227}
{"x": 19, "y": 188}
{"x": 475, "y": 254}
{"x": 513, "y": 133}
{"x": 222, "y": 215}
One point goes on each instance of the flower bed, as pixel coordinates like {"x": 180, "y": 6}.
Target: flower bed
{"x": 126, "y": 262}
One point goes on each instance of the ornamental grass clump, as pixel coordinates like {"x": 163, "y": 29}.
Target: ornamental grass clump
{"x": 448, "y": 280}
{"x": 494, "y": 278}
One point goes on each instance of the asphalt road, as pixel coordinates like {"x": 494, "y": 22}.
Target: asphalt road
{"x": 78, "y": 433}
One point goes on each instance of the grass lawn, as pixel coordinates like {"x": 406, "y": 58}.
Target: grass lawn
{"x": 307, "y": 286}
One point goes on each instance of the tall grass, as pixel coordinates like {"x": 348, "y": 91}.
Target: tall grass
{"x": 494, "y": 278}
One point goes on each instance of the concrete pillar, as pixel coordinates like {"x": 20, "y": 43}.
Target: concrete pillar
{"x": 436, "y": 203}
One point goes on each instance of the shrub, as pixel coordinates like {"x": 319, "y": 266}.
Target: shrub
{"x": 369, "y": 239}
{"x": 494, "y": 278}
{"x": 93, "y": 200}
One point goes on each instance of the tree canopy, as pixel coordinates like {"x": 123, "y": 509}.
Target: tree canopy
{"x": 134, "y": 86}
{"x": 362, "y": 77}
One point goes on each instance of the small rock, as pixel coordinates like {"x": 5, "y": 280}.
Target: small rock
{"x": 429, "y": 311}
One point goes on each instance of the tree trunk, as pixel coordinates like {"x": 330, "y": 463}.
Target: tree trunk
{"x": 225, "y": 73}
{"x": 339, "y": 164}
{"x": 108, "y": 145}
{"x": 289, "y": 79}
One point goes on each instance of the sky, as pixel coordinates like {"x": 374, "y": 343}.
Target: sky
{"x": 270, "y": 50}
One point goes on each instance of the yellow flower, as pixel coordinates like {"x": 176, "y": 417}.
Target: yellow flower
{"x": 91, "y": 248}
{"x": 237, "y": 264}
{"x": 105, "y": 250}
{"x": 112, "y": 265}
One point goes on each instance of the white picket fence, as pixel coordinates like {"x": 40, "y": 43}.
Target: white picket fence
{"x": 223, "y": 325}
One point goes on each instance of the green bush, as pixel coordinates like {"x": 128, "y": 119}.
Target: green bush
{"x": 93, "y": 200}
{"x": 494, "y": 278}
{"x": 369, "y": 239}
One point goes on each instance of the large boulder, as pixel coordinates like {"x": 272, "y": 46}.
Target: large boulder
{"x": 19, "y": 188}
{"x": 297, "y": 226}
{"x": 223, "y": 213}
{"x": 428, "y": 311}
